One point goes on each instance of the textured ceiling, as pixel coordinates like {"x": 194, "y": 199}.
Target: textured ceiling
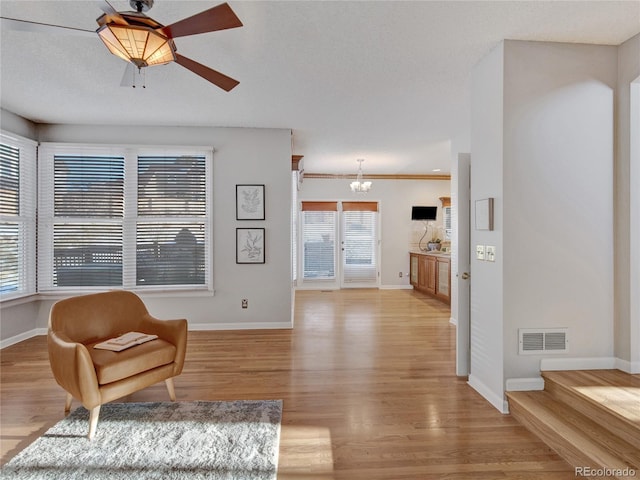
{"x": 384, "y": 81}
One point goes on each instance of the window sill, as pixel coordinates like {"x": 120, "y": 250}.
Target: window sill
{"x": 147, "y": 293}
{"x": 15, "y": 301}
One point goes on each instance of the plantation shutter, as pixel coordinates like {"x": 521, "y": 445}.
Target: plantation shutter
{"x": 360, "y": 242}
{"x": 319, "y": 240}
{"x": 172, "y": 220}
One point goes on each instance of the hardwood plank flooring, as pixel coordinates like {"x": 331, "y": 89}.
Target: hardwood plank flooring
{"x": 368, "y": 383}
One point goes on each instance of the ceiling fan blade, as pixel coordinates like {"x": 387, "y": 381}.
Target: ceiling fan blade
{"x": 217, "y": 78}
{"x": 28, "y": 26}
{"x": 112, "y": 14}
{"x": 128, "y": 76}
{"x": 106, "y": 7}
{"x": 220, "y": 17}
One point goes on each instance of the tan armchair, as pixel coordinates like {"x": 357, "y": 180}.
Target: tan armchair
{"x": 96, "y": 376}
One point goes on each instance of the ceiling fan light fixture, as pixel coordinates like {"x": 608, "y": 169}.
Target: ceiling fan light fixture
{"x": 139, "y": 45}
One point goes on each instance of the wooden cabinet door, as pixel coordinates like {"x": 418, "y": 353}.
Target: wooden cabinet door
{"x": 422, "y": 272}
{"x": 443, "y": 279}
{"x": 413, "y": 269}
{"x": 431, "y": 274}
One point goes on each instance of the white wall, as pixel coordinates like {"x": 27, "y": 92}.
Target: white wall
{"x": 241, "y": 155}
{"x": 558, "y": 189}
{"x": 396, "y": 197}
{"x": 627, "y": 204}
{"x": 486, "y": 372}
{"x": 543, "y": 146}
{"x": 10, "y": 122}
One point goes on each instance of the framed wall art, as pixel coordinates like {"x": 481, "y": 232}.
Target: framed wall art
{"x": 250, "y": 245}
{"x": 250, "y": 202}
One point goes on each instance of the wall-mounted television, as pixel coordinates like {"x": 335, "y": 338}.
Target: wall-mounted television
{"x": 424, "y": 213}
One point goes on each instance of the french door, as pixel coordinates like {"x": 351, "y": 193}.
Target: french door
{"x": 359, "y": 245}
{"x": 339, "y": 242}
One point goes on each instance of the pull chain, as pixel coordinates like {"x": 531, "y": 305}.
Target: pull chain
{"x": 141, "y": 73}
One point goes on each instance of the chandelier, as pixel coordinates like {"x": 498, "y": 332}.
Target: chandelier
{"x": 359, "y": 186}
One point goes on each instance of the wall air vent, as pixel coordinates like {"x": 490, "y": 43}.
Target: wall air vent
{"x": 536, "y": 341}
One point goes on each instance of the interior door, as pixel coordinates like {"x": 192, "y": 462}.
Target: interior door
{"x": 461, "y": 261}
{"x": 359, "y": 245}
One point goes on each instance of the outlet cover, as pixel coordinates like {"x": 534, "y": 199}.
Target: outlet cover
{"x": 490, "y": 253}
{"x": 480, "y": 252}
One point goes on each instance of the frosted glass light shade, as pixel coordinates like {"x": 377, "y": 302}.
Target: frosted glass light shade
{"x": 139, "y": 45}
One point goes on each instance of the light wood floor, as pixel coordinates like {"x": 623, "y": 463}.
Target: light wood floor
{"x": 368, "y": 383}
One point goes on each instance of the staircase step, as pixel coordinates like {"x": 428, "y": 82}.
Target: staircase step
{"x": 580, "y": 440}
{"x": 610, "y": 397}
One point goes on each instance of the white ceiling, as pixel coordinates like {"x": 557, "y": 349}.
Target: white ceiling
{"x": 383, "y": 81}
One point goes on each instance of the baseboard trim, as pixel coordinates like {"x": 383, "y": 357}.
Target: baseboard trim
{"x": 241, "y": 326}
{"x": 498, "y": 401}
{"x": 7, "y": 342}
{"x": 453, "y": 321}
{"x": 21, "y": 337}
{"x": 596, "y": 363}
{"x": 525, "y": 384}
{"x": 396, "y": 287}
{"x": 627, "y": 366}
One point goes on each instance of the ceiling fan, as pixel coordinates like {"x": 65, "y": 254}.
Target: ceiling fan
{"x": 140, "y": 40}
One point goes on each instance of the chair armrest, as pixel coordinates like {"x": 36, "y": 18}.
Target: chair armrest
{"x": 73, "y": 368}
{"x": 173, "y": 331}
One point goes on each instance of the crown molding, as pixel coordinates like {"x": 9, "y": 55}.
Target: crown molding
{"x": 374, "y": 176}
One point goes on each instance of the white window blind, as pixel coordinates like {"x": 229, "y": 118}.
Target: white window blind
{"x": 447, "y": 223}
{"x": 17, "y": 216}
{"x": 88, "y": 213}
{"x": 319, "y": 240}
{"x": 294, "y": 226}
{"x": 123, "y": 217}
{"x": 360, "y": 242}
{"x": 360, "y": 246}
{"x": 172, "y": 214}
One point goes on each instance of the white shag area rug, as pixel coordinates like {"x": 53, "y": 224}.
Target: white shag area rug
{"x": 165, "y": 440}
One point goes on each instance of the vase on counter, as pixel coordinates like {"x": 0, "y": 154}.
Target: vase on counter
{"x": 431, "y": 246}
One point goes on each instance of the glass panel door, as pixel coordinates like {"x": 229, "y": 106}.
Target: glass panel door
{"x": 359, "y": 248}
{"x": 318, "y": 243}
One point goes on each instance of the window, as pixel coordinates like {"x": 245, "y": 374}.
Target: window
{"x": 319, "y": 240}
{"x": 17, "y": 216}
{"x": 88, "y": 213}
{"x": 172, "y": 213}
{"x": 124, "y": 217}
{"x": 447, "y": 223}
{"x": 360, "y": 242}
{"x": 294, "y": 225}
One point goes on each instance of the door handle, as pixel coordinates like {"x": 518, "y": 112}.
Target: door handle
{"x": 466, "y": 275}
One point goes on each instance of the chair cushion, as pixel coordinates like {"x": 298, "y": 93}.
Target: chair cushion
{"x": 113, "y": 366}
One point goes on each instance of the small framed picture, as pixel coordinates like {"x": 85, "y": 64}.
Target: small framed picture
{"x": 250, "y": 202}
{"x": 484, "y": 214}
{"x": 250, "y": 245}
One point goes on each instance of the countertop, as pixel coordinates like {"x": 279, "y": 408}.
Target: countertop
{"x": 434, "y": 253}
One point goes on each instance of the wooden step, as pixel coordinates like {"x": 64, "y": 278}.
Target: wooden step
{"x": 580, "y": 440}
{"x": 610, "y": 397}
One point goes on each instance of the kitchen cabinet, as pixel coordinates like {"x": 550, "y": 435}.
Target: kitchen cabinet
{"x": 430, "y": 273}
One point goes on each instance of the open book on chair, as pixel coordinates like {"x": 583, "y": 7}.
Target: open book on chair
{"x": 125, "y": 341}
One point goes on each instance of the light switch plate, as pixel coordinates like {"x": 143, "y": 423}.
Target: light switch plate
{"x": 480, "y": 252}
{"x": 490, "y": 253}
